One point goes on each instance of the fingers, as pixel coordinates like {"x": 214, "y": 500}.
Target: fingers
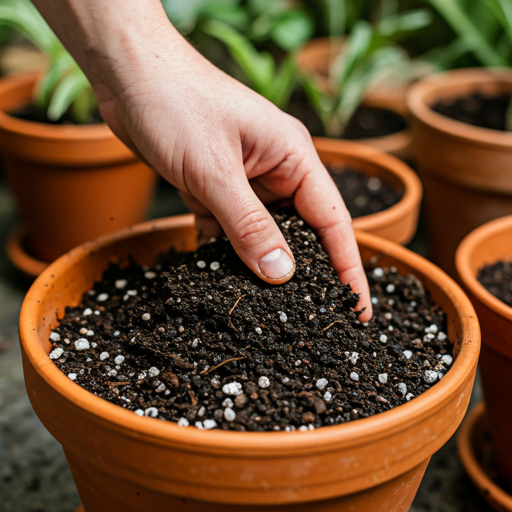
{"x": 319, "y": 203}
{"x": 249, "y": 226}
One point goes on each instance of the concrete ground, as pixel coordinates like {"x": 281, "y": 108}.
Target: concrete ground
{"x": 34, "y": 476}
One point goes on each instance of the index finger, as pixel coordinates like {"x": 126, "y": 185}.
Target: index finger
{"x": 320, "y": 204}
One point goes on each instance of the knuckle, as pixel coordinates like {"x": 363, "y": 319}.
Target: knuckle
{"x": 251, "y": 227}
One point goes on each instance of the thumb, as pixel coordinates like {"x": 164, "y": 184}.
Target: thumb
{"x": 250, "y": 228}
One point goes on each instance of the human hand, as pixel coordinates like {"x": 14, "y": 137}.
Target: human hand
{"x": 229, "y": 152}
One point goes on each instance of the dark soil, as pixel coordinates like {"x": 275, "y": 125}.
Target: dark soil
{"x": 364, "y": 194}
{"x": 476, "y": 109}
{"x": 497, "y": 279}
{"x": 205, "y": 342}
{"x": 36, "y": 115}
{"x": 367, "y": 122}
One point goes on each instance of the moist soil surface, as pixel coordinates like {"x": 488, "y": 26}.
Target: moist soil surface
{"x": 32, "y": 113}
{"x": 200, "y": 340}
{"x": 477, "y": 109}
{"x": 363, "y": 194}
{"x": 497, "y": 279}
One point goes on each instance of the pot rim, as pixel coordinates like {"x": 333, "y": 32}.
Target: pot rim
{"x": 413, "y": 189}
{"x": 11, "y": 124}
{"x": 463, "y": 258}
{"x": 258, "y": 444}
{"x": 440, "y": 85}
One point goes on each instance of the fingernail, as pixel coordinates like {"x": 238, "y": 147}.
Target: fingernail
{"x": 276, "y": 264}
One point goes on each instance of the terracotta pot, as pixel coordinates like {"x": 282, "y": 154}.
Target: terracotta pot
{"x": 473, "y": 450}
{"x": 315, "y": 58}
{"x": 72, "y": 183}
{"x": 488, "y": 244}
{"x": 122, "y": 462}
{"x": 465, "y": 169}
{"x": 397, "y": 223}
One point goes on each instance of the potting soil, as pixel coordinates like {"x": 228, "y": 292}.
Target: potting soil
{"x": 200, "y": 340}
{"x": 497, "y": 279}
{"x": 477, "y": 109}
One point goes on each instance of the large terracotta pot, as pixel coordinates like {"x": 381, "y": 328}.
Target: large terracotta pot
{"x": 397, "y": 223}
{"x": 315, "y": 58}
{"x": 488, "y": 244}
{"x": 72, "y": 183}
{"x": 466, "y": 170}
{"x": 124, "y": 463}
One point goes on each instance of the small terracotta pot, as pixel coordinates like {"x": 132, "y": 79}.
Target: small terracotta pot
{"x": 397, "y": 223}
{"x": 465, "y": 169}
{"x": 72, "y": 183}
{"x": 472, "y": 445}
{"x": 124, "y": 463}
{"x": 315, "y": 58}
{"x": 486, "y": 245}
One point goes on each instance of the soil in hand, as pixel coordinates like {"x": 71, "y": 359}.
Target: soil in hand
{"x": 363, "y": 194}
{"x": 497, "y": 279}
{"x": 200, "y": 340}
{"x": 477, "y": 109}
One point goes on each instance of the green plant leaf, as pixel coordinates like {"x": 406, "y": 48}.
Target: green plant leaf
{"x": 393, "y": 27}
{"x": 284, "y": 82}
{"x": 292, "y": 30}
{"x": 65, "y": 92}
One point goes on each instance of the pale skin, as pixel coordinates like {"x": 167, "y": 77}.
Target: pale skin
{"x": 227, "y": 149}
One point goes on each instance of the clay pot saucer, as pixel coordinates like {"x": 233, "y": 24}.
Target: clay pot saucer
{"x": 18, "y": 253}
{"x": 473, "y": 441}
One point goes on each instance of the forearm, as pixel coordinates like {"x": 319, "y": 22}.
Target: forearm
{"x": 121, "y": 40}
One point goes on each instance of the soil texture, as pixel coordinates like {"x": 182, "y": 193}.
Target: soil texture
{"x": 497, "y": 279}
{"x": 201, "y": 341}
{"x": 363, "y": 194}
{"x": 36, "y": 115}
{"x": 477, "y": 109}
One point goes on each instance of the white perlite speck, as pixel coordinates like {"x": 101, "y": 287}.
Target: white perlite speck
{"x": 111, "y": 373}
{"x": 151, "y": 412}
{"x": 56, "y": 353}
{"x": 102, "y": 297}
{"x": 229, "y": 414}
{"x": 131, "y": 293}
{"x": 232, "y": 388}
{"x": 327, "y": 396}
{"x": 90, "y": 333}
{"x": 72, "y": 376}
{"x": 258, "y": 330}
{"x": 82, "y": 344}
{"x": 409, "y": 396}
{"x": 441, "y": 336}
{"x": 447, "y": 359}
{"x": 153, "y": 372}
{"x": 374, "y": 183}
{"x": 283, "y": 317}
{"x": 121, "y": 283}
{"x": 104, "y": 356}
{"x": 139, "y": 412}
{"x": 263, "y": 382}
{"x": 119, "y": 359}
{"x": 322, "y": 383}
{"x": 195, "y": 343}
{"x": 383, "y": 378}
{"x": 149, "y": 275}
{"x": 117, "y": 333}
{"x": 146, "y": 316}
{"x": 431, "y": 329}
{"x": 430, "y": 376}
{"x": 407, "y": 354}
{"x": 402, "y": 388}
{"x": 55, "y": 336}
{"x": 87, "y": 311}
{"x": 390, "y": 288}
{"x": 160, "y": 388}
{"x": 383, "y": 338}
{"x": 201, "y": 264}
{"x": 214, "y": 265}
{"x": 209, "y": 424}
{"x": 227, "y": 403}
{"x": 354, "y": 357}
{"x": 378, "y": 272}
{"x": 354, "y": 376}
{"x": 375, "y": 300}
{"x": 83, "y": 330}
{"x": 183, "y": 422}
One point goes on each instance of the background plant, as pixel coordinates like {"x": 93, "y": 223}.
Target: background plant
{"x": 274, "y": 82}
{"x": 483, "y": 28}
{"x": 369, "y": 54}
{"x": 63, "y": 87}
